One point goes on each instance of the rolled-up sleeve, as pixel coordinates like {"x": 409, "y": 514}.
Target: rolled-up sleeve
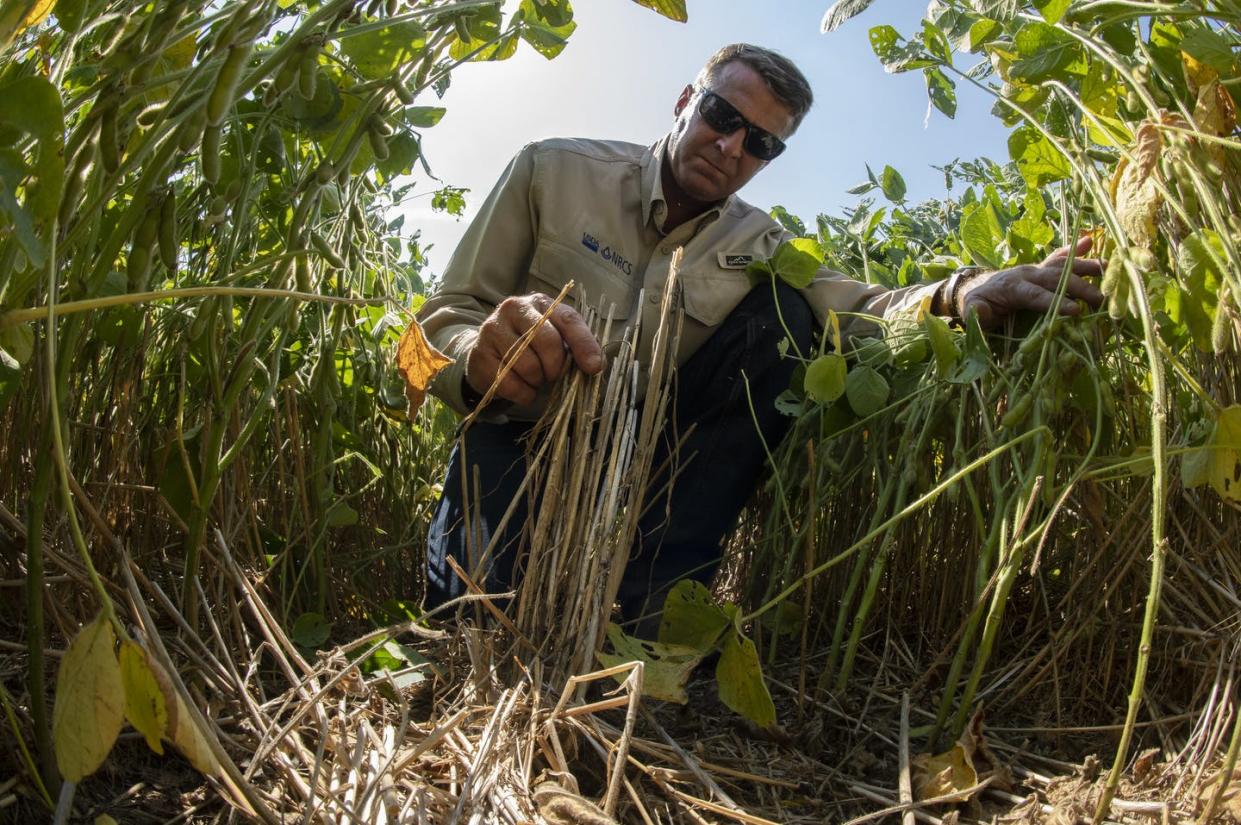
{"x": 488, "y": 265}
{"x": 853, "y": 300}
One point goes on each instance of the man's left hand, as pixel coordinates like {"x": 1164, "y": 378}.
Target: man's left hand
{"x": 996, "y": 295}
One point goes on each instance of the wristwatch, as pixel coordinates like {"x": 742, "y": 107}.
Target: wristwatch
{"x": 951, "y": 289}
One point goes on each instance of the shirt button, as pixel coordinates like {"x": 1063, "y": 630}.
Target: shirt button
{"x": 652, "y": 298}
{"x": 667, "y": 250}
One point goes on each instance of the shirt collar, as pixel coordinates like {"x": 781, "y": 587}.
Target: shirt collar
{"x": 654, "y": 206}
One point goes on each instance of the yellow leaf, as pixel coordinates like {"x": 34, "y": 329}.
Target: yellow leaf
{"x": 38, "y": 13}
{"x": 90, "y": 701}
{"x": 147, "y": 694}
{"x": 1215, "y": 114}
{"x": 834, "y": 325}
{"x": 104, "y": 819}
{"x": 418, "y": 363}
{"x": 1134, "y": 187}
{"x": 1198, "y": 74}
{"x": 945, "y": 773}
{"x": 667, "y": 667}
{"x": 190, "y": 741}
{"x": 1223, "y": 470}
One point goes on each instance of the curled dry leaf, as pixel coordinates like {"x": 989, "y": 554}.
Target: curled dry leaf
{"x": 90, "y": 701}
{"x": 418, "y": 363}
{"x": 1134, "y": 187}
{"x": 559, "y": 806}
{"x": 964, "y": 765}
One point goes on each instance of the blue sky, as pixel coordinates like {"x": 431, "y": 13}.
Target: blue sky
{"x": 623, "y": 68}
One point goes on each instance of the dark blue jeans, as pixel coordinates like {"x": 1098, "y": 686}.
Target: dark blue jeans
{"x": 681, "y": 534}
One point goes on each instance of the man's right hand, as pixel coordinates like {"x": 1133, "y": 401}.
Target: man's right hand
{"x": 564, "y": 335}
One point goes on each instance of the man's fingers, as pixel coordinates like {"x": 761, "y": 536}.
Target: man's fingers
{"x": 546, "y": 345}
{"x": 1078, "y": 289}
{"x": 578, "y": 337}
{"x": 511, "y": 386}
{"x": 1081, "y": 247}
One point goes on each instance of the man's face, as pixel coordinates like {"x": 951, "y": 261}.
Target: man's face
{"x": 710, "y": 166}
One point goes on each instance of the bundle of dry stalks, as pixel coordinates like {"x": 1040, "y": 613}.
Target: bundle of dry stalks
{"x": 590, "y": 469}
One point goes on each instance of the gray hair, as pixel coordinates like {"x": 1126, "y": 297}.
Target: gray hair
{"x": 783, "y": 78}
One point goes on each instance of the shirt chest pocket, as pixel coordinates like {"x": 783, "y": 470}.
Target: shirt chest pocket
{"x": 600, "y": 284}
{"x": 711, "y": 293}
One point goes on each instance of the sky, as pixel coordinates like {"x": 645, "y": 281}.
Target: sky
{"x": 623, "y": 68}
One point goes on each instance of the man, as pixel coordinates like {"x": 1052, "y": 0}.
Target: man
{"x": 609, "y": 216}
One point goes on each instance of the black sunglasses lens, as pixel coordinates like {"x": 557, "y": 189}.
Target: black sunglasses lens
{"x": 720, "y": 114}
{"x": 763, "y": 145}
{"x": 723, "y": 118}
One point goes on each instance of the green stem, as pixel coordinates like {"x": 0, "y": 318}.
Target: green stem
{"x": 923, "y": 500}
{"x": 36, "y": 679}
{"x": 20, "y": 316}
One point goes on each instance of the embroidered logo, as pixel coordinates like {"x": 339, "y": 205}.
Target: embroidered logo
{"x": 733, "y": 260}
{"x": 613, "y": 257}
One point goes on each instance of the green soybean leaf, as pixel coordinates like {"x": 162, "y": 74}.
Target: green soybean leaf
{"x": 1030, "y": 233}
{"x": 1206, "y": 45}
{"x": 666, "y": 667}
{"x": 1193, "y": 299}
{"x": 12, "y": 170}
{"x": 32, "y": 104}
{"x": 1039, "y": 162}
{"x": 691, "y": 618}
{"x": 788, "y": 220}
{"x": 672, "y": 9}
{"x": 740, "y": 678}
{"x": 1044, "y": 52}
{"x": 341, "y": 514}
{"x": 17, "y": 344}
{"x": 797, "y": 260}
{"x": 310, "y": 630}
{"x": 825, "y": 377}
{"x": 896, "y": 56}
{"x": 403, "y": 151}
{"x": 866, "y": 390}
{"x": 485, "y": 41}
{"x": 840, "y": 11}
{"x": 69, "y": 14}
{"x": 981, "y": 233}
{"x": 450, "y": 199}
{"x": 423, "y": 117}
{"x": 943, "y": 345}
{"x": 976, "y": 356}
{"x": 546, "y": 26}
{"x": 941, "y": 90}
{"x": 1052, "y": 10}
{"x": 376, "y": 53}
{"x": 984, "y": 31}
{"x": 892, "y": 184}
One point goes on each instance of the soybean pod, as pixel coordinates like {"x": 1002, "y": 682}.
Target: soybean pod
{"x": 308, "y": 69}
{"x": 325, "y": 249}
{"x": 209, "y": 159}
{"x": 138, "y": 267}
{"x": 225, "y": 87}
{"x": 109, "y": 145}
{"x": 168, "y": 235}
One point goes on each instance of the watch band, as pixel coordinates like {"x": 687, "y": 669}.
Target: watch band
{"x": 952, "y": 287}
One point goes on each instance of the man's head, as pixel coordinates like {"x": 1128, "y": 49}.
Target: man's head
{"x": 756, "y": 93}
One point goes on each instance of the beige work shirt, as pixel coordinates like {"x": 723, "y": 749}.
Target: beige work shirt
{"x": 592, "y": 211}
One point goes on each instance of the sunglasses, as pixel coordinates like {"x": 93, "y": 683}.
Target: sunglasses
{"x": 724, "y": 118}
